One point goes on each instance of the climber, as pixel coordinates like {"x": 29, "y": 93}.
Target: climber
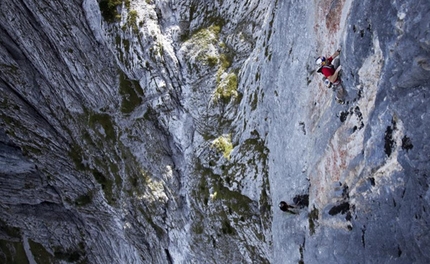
{"x": 328, "y": 69}
{"x": 331, "y": 74}
{"x": 287, "y": 208}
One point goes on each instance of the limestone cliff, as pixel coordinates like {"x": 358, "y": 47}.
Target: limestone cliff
{"x": 150, "y": 131}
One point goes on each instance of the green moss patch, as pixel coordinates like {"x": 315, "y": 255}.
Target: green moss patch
{"x": 12, "y": 252}
{"x": 84, "y": 199}
{"x": 40, "y": 254}
{"x": 227, "y": 88}
{"x": 132, "y": 19}
{"x": 223, "y": 144}
{"x": 313, "y": 217}
{"x": 226, "y": 83}
{"x": 236, "y": 201}
{"x": 10, "y": 231}
{"x": 109, "y": 9}
{"x": 131, "y": 93}
{"x": 107, "y": 186}
{"x": 76, "y": 154}
{"x": 208, "y": 39}
{"x": 225, "y": 62}
{"x": 106, "y": 122}
{"x": 212, "y": 60}
{"x": 206, "y": 36}
{"x": 71, "y": 256}
{"x": 227, "y": 229}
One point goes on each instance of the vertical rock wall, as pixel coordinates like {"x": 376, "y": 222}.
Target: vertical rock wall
{"x": 118, "y": 140}
{"x": 367, "y": 178}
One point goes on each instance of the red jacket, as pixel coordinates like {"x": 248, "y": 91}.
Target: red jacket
{"x": 328, "y": 69}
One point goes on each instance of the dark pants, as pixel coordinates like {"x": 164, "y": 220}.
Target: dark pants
{"x": 338, "y": 88}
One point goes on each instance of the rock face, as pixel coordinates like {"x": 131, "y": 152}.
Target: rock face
{"x": 168, "y": 131}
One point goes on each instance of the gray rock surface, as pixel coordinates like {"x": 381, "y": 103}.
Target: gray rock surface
{"x": 168, "y": 132}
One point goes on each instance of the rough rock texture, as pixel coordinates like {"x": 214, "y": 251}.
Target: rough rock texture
{"x": 149, "y": 131}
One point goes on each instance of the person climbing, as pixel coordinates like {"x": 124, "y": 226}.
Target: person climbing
{"x": 287, "y": 208}
{"x": 331, "y": 70}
